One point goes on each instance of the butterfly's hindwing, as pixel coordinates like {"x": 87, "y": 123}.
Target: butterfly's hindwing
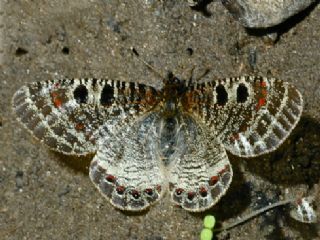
{"x": 127, "y": 169}
{"x": 251, "y": 115}
{"x": 199, "y": 170}
{"x": 65, "y": 114}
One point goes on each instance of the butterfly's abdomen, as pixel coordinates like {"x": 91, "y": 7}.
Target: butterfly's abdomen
{"x": 168, "y": 132}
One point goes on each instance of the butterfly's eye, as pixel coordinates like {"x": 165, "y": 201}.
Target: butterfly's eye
{"x": 107, "y": 97}
{"x": 242, "y": 93}
{"x": 222, "y": 95}
{"x": 81, "y": 94}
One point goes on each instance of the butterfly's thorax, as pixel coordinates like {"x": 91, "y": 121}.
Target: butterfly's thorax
{"x": 172, "y": 93}
{"x": 171, "y": 112}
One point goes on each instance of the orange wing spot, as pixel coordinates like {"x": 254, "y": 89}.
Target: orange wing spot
{"x": 56, "y": 100}
{"x": 150, "y": 99}
{"x": 57, "y": 103}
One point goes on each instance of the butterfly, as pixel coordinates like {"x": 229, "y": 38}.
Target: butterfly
{"x": 150, "y": 141}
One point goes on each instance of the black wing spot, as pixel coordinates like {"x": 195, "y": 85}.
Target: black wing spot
{"x": 242, "y": 93}
{"x": 107, "y": 97}
{"x": 81, "y": 94}
{"x": 222, "y": 95}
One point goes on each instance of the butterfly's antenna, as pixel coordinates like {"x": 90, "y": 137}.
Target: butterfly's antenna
{"x": 190, "y": 80}
{"x": 203, "y": 75}
{"x": 155, "y": 71}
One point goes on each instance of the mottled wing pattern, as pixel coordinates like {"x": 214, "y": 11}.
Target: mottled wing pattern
{"x": 147, "y": 141}
{"x": 127, "y": 169}
{"x": 65, "y": 114}
{"x": 251, "y": 115}
{"x": 199, "y": 170}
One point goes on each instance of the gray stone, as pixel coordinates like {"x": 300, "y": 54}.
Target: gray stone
{"x": 264, "y": 13}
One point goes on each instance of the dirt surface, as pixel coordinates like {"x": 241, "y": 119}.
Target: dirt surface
{"x": 49, "y": 196}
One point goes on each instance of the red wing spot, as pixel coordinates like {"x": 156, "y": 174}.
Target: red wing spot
{"x": 264, "y": 93}
{"x": 120, "y": 190}
{"x": 56, "y": 85}
{"x": 135, "y": 194}
{"x": 263, "y": 84}
{"x": 148, "y": 191}
{"x": 203, "y": 191}
{"x": 213, "y": 180}
{"x": 191, "y": 195}
{"x": 261, "y": 102}
{"x": 179, "y": 191}
{"x": 110, "y": 178}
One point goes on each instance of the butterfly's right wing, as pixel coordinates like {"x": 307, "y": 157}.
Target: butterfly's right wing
{"x": 66, "y": 114}
{"x": 199, "y": 171}
{"x": 250, "y": 115}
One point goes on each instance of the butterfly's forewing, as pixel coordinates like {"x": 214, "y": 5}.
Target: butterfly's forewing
{"x": 65, "y": 114}
{"x": 199, "y": 170}
{"x": 250, "y": 115}
{"x": 127, "y": 169}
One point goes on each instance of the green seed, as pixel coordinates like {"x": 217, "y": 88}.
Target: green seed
{"x": 209, "y": 221}
{"x": 206, "y": 234}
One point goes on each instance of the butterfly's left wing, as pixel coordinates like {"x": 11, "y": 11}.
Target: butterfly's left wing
{"x": 66, "y": 114}
{"x": 250, "y": 115}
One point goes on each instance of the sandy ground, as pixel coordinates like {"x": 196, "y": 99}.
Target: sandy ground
{"x": 48, "y": 196}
